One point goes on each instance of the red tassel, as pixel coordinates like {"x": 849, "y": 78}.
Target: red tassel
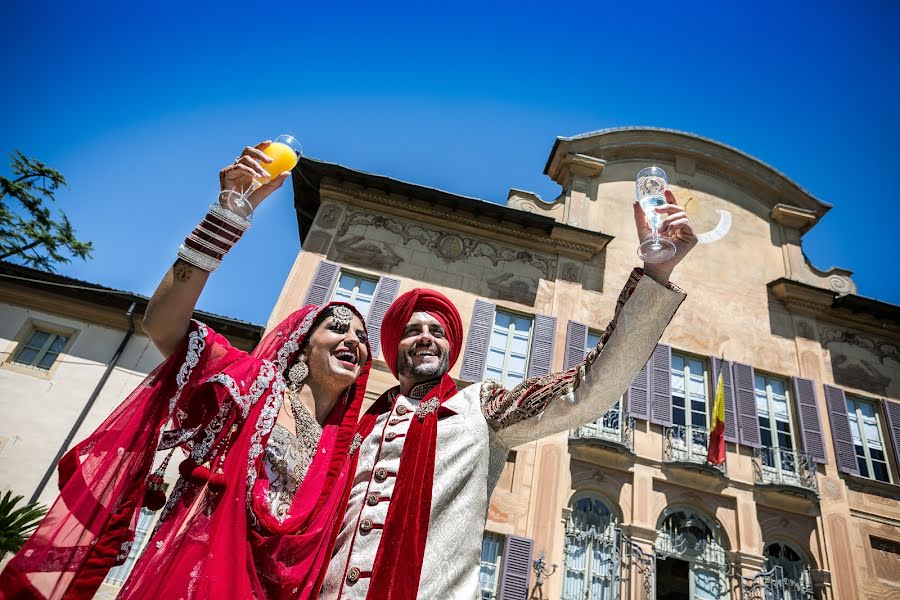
{"x": 186, "y": 468}
{"x": 154, "y": 499}
{"x": 200, "y": 472}
{"x": 217, "y": 480}
{"x": 155, "y": 495}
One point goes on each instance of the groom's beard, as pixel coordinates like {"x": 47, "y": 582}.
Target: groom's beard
{"x": 423, "y": 372}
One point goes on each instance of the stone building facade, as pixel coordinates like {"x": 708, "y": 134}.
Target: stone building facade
{"x": 807, "y": 504}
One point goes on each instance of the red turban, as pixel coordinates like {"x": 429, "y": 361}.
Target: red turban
{"x": 419, "y": 300}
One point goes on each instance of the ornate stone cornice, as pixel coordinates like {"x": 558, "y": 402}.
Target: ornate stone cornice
{"x": 574, "y": 163}
{"x": 726, "y": 163}
{"x": 826, "y": 305}
{"x": 580, "y": 244}
{"x": 793, "y": 217}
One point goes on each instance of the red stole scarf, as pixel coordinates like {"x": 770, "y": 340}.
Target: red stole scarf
{"x": 398, "y": 563}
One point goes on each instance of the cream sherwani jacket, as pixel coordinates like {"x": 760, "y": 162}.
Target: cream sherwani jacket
{"x": 473, "y": 444}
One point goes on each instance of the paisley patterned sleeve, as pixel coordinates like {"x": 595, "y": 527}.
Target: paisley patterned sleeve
{"x": 542, "y": 406}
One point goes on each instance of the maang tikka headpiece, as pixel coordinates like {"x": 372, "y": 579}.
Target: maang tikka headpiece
{"x": 342, "y": 316}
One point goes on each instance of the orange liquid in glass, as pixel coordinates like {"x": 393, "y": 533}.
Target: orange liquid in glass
{"x": 283, "y": 159}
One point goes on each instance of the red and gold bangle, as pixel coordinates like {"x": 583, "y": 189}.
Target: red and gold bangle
{"x": 212, "y": 238}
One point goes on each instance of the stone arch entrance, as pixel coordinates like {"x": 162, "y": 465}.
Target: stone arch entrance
{"x": 691, "y": 557}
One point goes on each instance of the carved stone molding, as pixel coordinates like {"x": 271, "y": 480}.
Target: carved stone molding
{"x": 826, "y": 305}
{"x": 581, "y": 165}
{"x": 793, "y": 217}
{"x": 578, "y": 243}
{"x": 450, "y": 248}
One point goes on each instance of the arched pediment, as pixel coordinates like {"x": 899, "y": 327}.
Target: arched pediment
{"x": 690, "y": 153}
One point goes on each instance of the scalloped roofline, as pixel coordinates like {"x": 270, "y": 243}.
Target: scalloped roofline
{"x": 821, "y": 205}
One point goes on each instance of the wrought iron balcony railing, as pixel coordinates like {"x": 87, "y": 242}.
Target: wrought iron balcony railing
{"x": 773, "y": 585}
{"x": 779, "y": 466}
{"x": 688, "y": 444}
{"x": 613, "y": 427}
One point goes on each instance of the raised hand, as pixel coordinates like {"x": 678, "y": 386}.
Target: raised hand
{"x": 239, "y": 175}
{"x": 676, "y": 226}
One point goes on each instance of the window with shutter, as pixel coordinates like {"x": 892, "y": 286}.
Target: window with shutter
{"x": 385, "y": 294}
{"x": 639, "y": 394}
{"x": 542, "y": 343}
{"x": 776, "y": 432}
{"x": 868, "y": 441}
{"x": 892, "y": 416}
{"x": 508, "y": 348}
{"x": 689, "y": 399}
{"x": 745, "y": 391}
{"x": 358, "y": 290}
{"x": 840, "y": 430}
{"x": 724, "y": 367}
{"x": 323, "y": 282}
{"x": 516, "y": 568}
{"x": 477, "y": 341}
{"x": 489, "y": 573}
{"x": 810, "y": 423}
{"x": 577, "y": 341}
{"x": 661, "y": 386}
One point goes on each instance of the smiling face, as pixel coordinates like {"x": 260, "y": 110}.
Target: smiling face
{"x": 424, "y": 350}
{"x": 335, "y": 353}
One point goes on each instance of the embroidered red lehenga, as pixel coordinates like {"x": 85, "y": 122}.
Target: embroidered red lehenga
{"x": 218, "y": 536}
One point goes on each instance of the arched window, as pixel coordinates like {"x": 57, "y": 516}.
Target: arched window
{"x": 592, "y": 552}
{"x": 692, "y": 557}
{"x": 789, "y": 571}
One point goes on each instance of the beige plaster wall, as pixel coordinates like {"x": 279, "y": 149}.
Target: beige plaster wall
{"x": 37, "y": 413}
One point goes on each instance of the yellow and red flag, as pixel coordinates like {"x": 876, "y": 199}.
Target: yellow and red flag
{"x": 716, "y": 453}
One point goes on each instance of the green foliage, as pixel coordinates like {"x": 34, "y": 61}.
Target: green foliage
{"x": 29, "y": 232}
{"x": 16, "y": 524}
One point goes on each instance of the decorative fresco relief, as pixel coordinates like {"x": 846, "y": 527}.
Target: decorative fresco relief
{"x": 418, "y": 251}
{"x": 862, "y": 362}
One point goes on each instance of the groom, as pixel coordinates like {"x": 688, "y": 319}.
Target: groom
{"x": 427, "y": 456}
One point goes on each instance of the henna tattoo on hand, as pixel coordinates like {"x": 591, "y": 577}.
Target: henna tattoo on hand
{"x": 182, "y": 270}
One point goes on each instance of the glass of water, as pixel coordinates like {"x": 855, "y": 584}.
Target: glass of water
{"x": 650, "y": 188}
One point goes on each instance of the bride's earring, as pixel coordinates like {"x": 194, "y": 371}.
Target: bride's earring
{"x": 298, "y": 373}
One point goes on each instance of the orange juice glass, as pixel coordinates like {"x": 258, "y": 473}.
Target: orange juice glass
{"x": 285, "y": 151}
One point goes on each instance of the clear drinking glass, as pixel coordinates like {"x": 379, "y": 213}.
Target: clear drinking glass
{"x": 650, "y": 187}
{"x": 285, "y": 152}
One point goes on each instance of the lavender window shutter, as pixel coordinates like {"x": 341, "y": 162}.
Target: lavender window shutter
{"x": 724, "y": 367}
{"x": 385, "y": 294}
{"x": 576, "y": 340}
{"x": 810, "y": 423}
{"x": 516, "y": 568}
{"x": 892, "y": 413}
{"x": 639, "y": 394}
{"x": 661, "y": 386}
{"x": 477, "y": 341}
{"x": 543, "y": 340}
{"x": 323, "y": 281}
{"x": 840, "y": 430}
{"x": 748, "y": 423}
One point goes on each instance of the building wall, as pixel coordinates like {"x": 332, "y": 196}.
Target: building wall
{"x": 729, "y": 312}
{"x": 38, "y": 412}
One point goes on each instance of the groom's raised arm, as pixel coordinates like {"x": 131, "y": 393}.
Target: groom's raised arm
{"x": 542, "y": 406}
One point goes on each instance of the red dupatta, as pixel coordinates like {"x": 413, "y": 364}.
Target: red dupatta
{"x": 212, "y": 541}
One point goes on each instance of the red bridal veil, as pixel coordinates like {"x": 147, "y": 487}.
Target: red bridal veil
{"x": 216, "y": 537}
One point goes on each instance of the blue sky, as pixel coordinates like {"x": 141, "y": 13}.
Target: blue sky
{"x": 140, "y": 107}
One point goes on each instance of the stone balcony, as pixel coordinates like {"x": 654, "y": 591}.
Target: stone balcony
{"x": 785, "y": 478}
{"x": 686, "y": 446}
{"x": 614, "y": 431}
